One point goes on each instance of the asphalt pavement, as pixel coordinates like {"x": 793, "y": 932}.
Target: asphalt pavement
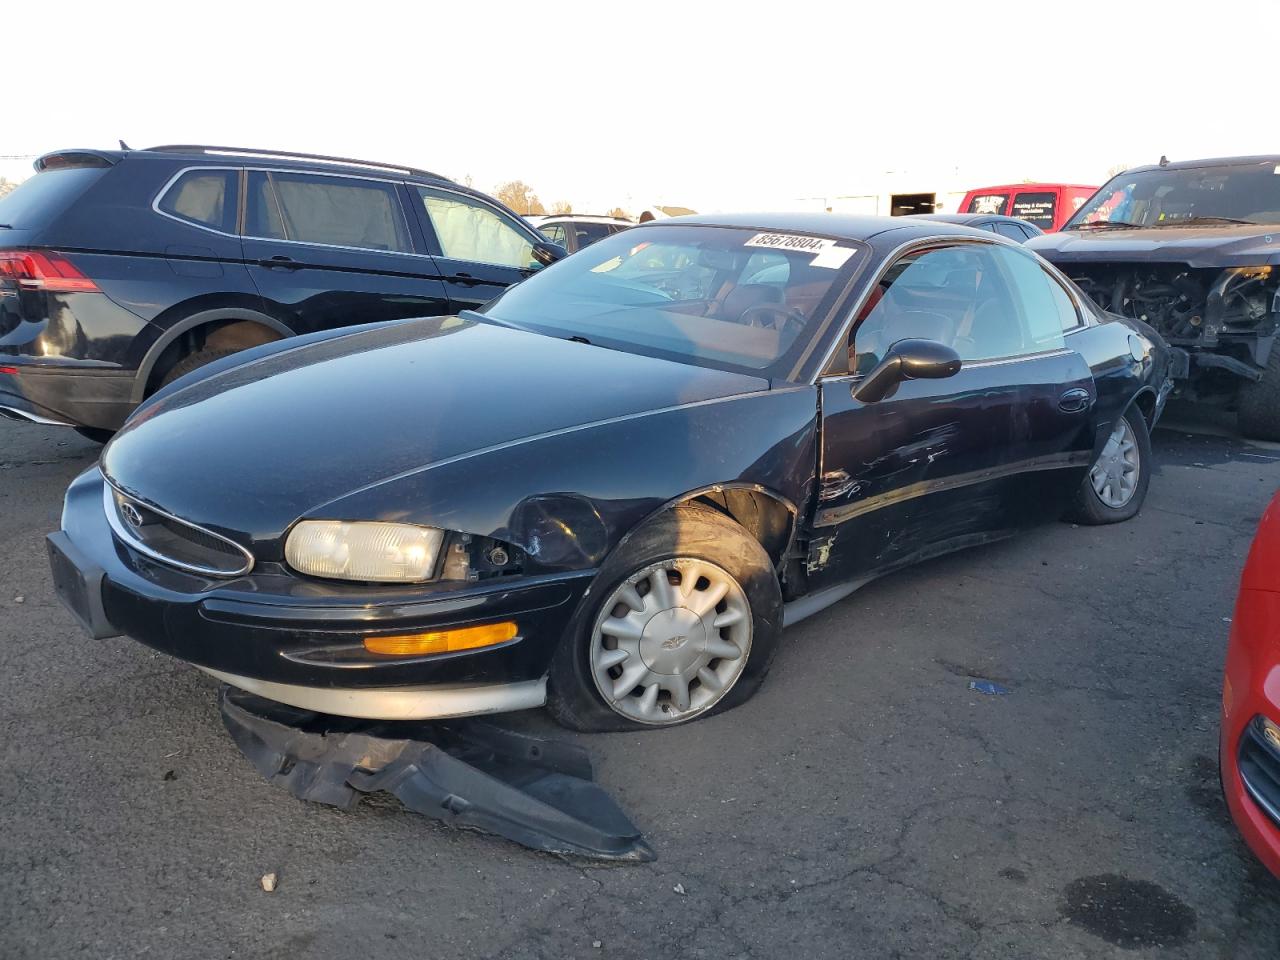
{"x": 867, "y": 803}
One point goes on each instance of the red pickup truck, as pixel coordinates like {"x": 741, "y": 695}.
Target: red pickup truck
{"x": 1047, "y": 205}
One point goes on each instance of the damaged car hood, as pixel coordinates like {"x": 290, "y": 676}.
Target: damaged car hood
{"x": 251, "y": 447}
{"x": 1199, "y": 246}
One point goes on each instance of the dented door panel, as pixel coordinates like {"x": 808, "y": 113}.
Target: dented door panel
{"x": 945, "y": 463}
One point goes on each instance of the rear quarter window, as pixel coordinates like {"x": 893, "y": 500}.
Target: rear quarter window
{"x": 37, "y": 202}
{"x": 204, "y": 197}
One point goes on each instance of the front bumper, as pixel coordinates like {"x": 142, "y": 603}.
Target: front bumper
{"x": 298, "y": 641}
{"x": 1251, "y": 688}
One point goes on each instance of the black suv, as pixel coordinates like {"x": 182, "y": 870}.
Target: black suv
{"x": 1192, "y": 248}
{"x": 121, "y": 270}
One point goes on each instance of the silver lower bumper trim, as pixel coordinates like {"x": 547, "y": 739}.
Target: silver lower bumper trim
{"x": 398, "y": 703}
{"x": 13, "y": 413}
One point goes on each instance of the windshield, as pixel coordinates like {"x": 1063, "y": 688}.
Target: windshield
{"x": 1246, "y": 193}
{"x": 744, "y": 300}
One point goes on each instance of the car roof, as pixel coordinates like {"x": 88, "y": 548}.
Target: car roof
{"x": 1035, "y": 186}
{"x": 968, "y": 217}
{"x": 842, "y": 226}
{"x": 1210, "y": 162}
{"x": 236, "y": 156}
{"x": 575, "y": 218}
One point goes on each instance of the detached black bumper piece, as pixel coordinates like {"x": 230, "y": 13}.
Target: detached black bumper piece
{"x": 536, "y": 792}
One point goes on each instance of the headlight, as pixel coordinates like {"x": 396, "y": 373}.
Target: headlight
{"x": 384, "y": 552}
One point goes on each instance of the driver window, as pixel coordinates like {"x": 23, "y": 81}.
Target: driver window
{"x": 985, "y": 301}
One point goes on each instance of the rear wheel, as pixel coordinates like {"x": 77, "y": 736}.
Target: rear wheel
{"x": 194, "y": 361}
{"x": 682, "y": 621}
{"x": 1116, "y": 485}
{"x": 1258, "y": 404}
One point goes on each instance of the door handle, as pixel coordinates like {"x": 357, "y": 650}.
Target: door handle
{"x": 1075, "y": 400}
{"x": 287, "y": 263}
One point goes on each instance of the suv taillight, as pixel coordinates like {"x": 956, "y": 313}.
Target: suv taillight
{"x": 43, "y": 271}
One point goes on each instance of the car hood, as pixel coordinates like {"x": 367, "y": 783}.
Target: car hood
{"x": 250, "y": 448}
{"x": 1201, "y": 246}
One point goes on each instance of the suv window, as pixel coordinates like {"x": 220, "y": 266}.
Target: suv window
{"x": 589, "y": 233}
{"x": 554, "y": 233}
{"x": 1011, "y": 230}
{"x": 987, "y": 301}
{"x": 205, "y": 197}
{"x": 39, "y": 200}
{"x": 468, "y": 229}
{"x": 1037, "y": 208}
{"x": 329, "y": 210}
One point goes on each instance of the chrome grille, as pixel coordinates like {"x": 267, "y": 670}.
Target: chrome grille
{"x": 1259, "y": 764}
{"x": 175, "y": 542}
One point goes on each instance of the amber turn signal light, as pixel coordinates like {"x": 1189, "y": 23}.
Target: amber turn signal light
{"x": 442, "y": 641}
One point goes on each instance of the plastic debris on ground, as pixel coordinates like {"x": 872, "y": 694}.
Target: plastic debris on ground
{"x": 467, "y": 773}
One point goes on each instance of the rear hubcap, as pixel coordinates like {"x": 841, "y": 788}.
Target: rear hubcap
{"x": 1115, "y": 474}
{"x": 671, "y": 640}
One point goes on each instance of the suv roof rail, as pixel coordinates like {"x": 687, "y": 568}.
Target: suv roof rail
{"x": 288, "y": 155}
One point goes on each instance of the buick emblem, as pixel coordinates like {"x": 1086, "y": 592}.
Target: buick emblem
{"x": 131, "y": 514}
{"x": 673, "y": 642}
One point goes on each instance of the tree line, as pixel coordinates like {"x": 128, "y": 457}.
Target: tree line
{"x": 520, "y": 197}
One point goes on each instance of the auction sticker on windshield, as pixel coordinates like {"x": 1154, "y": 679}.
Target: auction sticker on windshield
{"x": 827, "y": 254}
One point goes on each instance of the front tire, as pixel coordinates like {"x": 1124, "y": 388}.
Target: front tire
{"x": 1258, "y": 404}
{"x": 682, "y": 621}
{"x": 1116, "y": 485}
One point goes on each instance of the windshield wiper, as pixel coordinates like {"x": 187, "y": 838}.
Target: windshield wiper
{"x": 1191, "y": 220}
{"x": 6, "y": 226}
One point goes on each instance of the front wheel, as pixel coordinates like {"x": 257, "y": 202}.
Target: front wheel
{"x": 1116, "y": 485}
{"x": 682, "y": 621}
{"x": 1258, "y": 404}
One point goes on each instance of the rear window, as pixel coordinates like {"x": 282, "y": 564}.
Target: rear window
{"x": 37, "y": 202}
{"x": 988, "y": 203}
{"x": 1035, "y": 208}
{"x": 204, "y": 197}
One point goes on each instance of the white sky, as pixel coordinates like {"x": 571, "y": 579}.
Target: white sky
{"x": 715, "y": 106}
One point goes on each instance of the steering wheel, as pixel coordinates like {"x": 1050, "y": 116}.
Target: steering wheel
{"x": 772, "y": 316}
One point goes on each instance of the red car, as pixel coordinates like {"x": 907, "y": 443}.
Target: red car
{"x": 1047, "y": 205}
{"x": 1250, "y": 744}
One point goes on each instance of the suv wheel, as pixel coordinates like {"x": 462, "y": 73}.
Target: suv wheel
{"x": 1258, "y": 411}
{"x": 194, "y": 361}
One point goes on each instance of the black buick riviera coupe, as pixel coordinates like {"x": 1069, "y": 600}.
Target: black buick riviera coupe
{"x": 610, "y": 488}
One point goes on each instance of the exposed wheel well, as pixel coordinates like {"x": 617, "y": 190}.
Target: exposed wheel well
{"x": 215, "y": 333}
{"x": 765, "y": 517}
{"x": 1146, "y": 404}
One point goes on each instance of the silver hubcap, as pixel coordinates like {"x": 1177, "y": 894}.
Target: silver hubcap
{"x": 671, "y": 641}
{"x": 1115, "y": 475}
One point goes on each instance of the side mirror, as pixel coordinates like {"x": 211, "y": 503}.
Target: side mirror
{"x": 907, "y": 360}
{"x": 547, "y": 253}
